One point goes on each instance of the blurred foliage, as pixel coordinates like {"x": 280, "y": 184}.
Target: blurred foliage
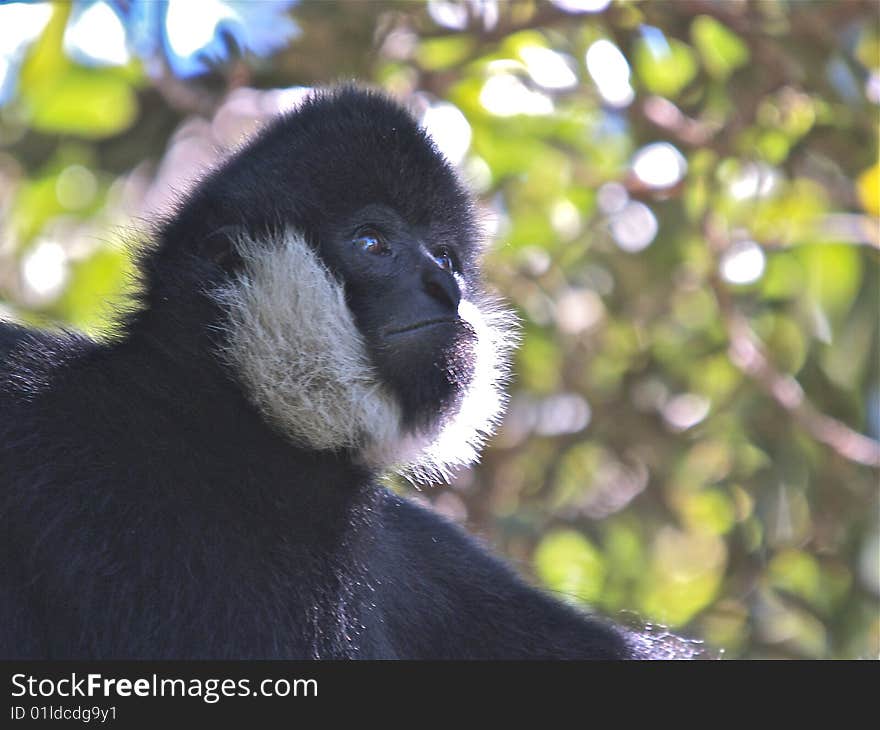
{"x": 685, "y": 200}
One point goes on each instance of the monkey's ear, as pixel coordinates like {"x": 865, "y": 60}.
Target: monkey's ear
{"x": 219, "y": 246}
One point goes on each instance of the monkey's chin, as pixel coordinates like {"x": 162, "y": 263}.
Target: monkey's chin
{"x": 445, "y": 400}
{"x": 428, "y": 367}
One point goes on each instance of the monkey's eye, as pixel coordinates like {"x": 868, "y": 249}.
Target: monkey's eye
{"x": 369, "y": 240}
{"x": 443, "y": 256}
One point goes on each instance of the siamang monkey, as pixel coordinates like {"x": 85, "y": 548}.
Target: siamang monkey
{"x": 203, "y": 484}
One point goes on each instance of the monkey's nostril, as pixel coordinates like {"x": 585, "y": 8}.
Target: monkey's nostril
{"x": 440, "y": 285}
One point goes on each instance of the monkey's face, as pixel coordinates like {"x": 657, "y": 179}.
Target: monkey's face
{"x": 354, "y": 317}
{"x": 379, "y": 347}
{"x": 404, "y": 285}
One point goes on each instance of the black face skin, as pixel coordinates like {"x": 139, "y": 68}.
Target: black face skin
{"x": 404, "y": 290}
{"x": 405, "y": 260}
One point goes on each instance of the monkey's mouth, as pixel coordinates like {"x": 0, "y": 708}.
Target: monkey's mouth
{"x": 420, "y": 325}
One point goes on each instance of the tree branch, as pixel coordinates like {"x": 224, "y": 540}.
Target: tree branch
{"x": 748, "y": 354}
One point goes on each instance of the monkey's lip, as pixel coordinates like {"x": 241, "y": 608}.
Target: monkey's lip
{"x": 419, "y": 325}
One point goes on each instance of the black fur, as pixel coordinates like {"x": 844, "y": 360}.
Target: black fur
{"x": 149, "y": 510}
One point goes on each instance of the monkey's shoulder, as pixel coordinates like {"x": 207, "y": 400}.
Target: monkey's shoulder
{"x": 27, "y": 353}
{"x": 39, "y": 386}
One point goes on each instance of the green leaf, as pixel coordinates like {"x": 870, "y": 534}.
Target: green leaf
{"x": 60, "y": 97}
{"x": 35, "y": 204}
{"x": 684, "y": 575}
{"x": 97, "y": 285}
{"x": 773, "y": 145}
{"x": 708, "y": 512}
{"x": 441, "y": 53}
{"x": 569, "y": 563}
{"x": 833, "y": 275}
{"x": 81, "y": 101}
{"x": 716, "y": 378}
{"x": 784, "y": 277}
{"x": 721, "y": 50}
{"x": 665, "y": 73}
{"x": 795, "y": 572}
{"x": 785, "y": 341}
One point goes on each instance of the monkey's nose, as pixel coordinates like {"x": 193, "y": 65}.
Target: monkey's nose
{"x": 441, "y": 286}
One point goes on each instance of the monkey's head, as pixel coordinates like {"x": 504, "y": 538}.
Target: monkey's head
{"x": 342, "y": 252}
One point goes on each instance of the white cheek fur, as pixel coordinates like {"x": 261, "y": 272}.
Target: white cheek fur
{"x": 296, "y": 349}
